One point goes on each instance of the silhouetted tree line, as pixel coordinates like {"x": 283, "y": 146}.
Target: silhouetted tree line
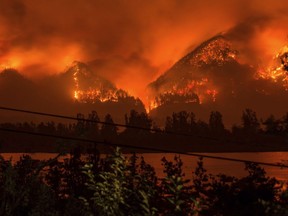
{"x": 118, "y": 185}
{"x": 181, "y": 128}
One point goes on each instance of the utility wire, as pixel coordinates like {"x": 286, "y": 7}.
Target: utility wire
{"x": 142, "y": 148}
{"x": 105, "y": 123}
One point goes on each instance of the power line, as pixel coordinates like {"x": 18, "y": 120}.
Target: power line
{"x": 141, "y": 147}
{"x": 105, "y": 123}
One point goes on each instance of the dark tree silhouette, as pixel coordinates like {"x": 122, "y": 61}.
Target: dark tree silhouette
{"x": 92, "y": 125}
{"x": 138, "y": 120}
{"x": 80, "y": 125}
{"x": 193, "y": 123}
{"x": 179, "y": 122}
{"x": 285, "y": 123}
{"x": 108, "y": 130}
{"x": 169, "y": 124}
{"x": 215, "y": 122}
{"x": 272, "y": 125}
{"x": 250, "y": 122}
{"x": 202, "y": 128}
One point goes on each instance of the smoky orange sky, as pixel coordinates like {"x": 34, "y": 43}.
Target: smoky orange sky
{"x": 133, "y": 41}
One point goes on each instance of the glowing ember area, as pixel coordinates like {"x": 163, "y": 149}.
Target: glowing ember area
{"x": 92, "y": 95}
{"x": 212, "y": 93}
{"x": 278, "y": 71}
{"x": 90, "y": 88}
{"x": 216, "y": 51}
{"x": 194, "y": 92}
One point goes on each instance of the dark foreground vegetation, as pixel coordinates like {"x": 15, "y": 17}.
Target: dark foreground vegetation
{"x": 252, "y": 134}
{"x": 115, "y": 185}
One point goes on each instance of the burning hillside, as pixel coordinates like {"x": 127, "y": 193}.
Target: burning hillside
{"x": 189, "y": 80}
{"x": 216, "y": 51}
{"x": 277, "y": 70}
{"x": 90, "y": 87}
{"x": 214, "y": 70}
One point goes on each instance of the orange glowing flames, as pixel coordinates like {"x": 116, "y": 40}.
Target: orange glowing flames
{"x": 277, "y": 71}
{"x": 89, "y": 88}
{"x": 189, "y": 87}
{"x": 10, "y": 64}
{"x": 93, "y": 95}
{"x": 216, "y": 51}
{"x": 191, "y": 83}
{"x": 212, "y": 93}
{"x": 184, "y": 88}
{"x": 193, "y": 92}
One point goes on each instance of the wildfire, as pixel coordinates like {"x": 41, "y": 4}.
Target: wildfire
{"x": 277, "y": 71}
{"x": 213, "y": 93}
{"x": 217, "y": 51}
{"x": 93, "y": 95}
{"x": 90, "y": 88}
{"x": 76, "y": 95}
{"x": 193, "y": 92}
{"x": 185, "y": 82}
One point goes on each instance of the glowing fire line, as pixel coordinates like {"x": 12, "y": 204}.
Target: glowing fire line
{"x": 278, "y": 71}
{"x": 98, "y": 92}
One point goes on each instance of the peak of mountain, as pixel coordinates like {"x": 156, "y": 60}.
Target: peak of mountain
{"x": 92, "y": 90}
{"x": 77, "y": 90}
{"x": 16, "y": 90}
{"x": 194, "y": 77}
{"x": 89, "y": 87}
{"x": 86, "y": 79}
{"x": 212, "y": 54}
{"x": 11, "y": 78}
{"x": 212, "y": 77}
{"x": 215, "y": 51}
{"x": 11, "y": 73}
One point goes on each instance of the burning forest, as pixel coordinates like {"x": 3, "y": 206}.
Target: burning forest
{"x": 90, "y": 87}
{"x": 188, "y": 80}
{"x": 277, "y": 71}
{"x": 233, "y": 54}
{"x": 213, "y": 72}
